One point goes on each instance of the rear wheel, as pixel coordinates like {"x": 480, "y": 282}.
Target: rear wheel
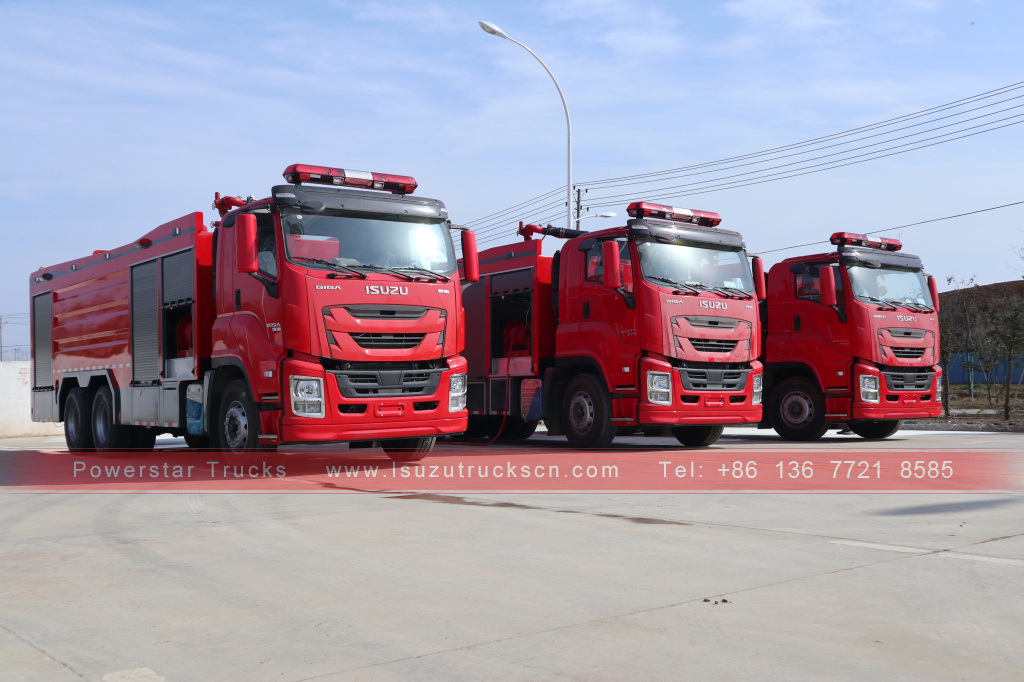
{"x": 78, "y": 420}
{"x": 586, "y": 413}
{"x": 798, "y": 410}
{"x": 698, "y": 436}
{"x": 197, "y": 442}
{"x": 143, "y": 439}
{"x": 876, "y": 429}
{"x": 408, "y": 449}
{"x": 106, "y": 433}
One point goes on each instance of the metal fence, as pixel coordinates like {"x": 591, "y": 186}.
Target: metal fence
{"x": 963, "y": 370}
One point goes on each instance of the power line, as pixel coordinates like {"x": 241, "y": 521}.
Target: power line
{"x": 492, "y": 219}
{"x": 899, "y": 227}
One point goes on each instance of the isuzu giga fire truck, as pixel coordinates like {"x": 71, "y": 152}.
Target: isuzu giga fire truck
{"x": 652, "y": 327}
{"x": 851, "y": 341}
{"x": 329, "y": 311}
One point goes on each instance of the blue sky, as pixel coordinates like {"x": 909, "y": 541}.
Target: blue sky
{"x": 116, "y": 117}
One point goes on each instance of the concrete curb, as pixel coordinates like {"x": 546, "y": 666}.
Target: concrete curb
{"x": 950, "y": 426}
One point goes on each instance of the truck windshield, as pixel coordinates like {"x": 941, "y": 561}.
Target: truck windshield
{"x": 694, "y": 264}
{"x": 351, "y": 239}
{"x": 889, "y": 284}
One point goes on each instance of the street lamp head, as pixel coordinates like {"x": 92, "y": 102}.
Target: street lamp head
{"x": 607, "y": 215}
{"x": 492, "y": 29}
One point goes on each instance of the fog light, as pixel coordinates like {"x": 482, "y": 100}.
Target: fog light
{"x": 756, "y": 393}
{"x": 869, "y": 388}
{"x": 659, "y": 388}
{"x": 307, "y": 396}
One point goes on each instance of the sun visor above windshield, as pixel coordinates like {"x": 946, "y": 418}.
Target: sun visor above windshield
{"x": 669, "y": 232}
{"x": 316, "y": 199}
{"x": 860, "y": 254}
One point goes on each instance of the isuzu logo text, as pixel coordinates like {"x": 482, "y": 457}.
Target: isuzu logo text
{"x": 907, "y": 318}
{"x": 716, "y": 305}
{"x": 386, "y": 291}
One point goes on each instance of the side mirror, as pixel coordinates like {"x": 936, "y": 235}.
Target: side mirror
{"x": 610, "y": 256}
{"x": 759, "y": 285}
{"x": 933, "y": 288}
{"x": 245, "y": 243}
{"x": 470, "y": 260}
{"x": 828, "y": 285}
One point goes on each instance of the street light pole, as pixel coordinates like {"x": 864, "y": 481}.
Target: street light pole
{"x": 495, "y": 31}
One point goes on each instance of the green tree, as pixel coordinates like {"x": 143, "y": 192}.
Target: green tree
{"x": 1006, "y": 320}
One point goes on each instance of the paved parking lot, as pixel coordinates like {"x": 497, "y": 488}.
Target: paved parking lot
{"x": 231, "y": 586}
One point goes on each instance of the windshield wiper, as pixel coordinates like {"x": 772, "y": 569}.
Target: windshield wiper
{"x": 429, "y": 273}
{"x": 381, "y": 268}
{"x": 912, "y": 307}
{"x": 336, "y": 266}
{"x": 722, "y": 290}
{"x": 683, "y": 288}
{"x": 886, "y": 304}
{"x": 740, "y": 294}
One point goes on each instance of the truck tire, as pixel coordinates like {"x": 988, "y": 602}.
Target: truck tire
{"x": 876, "y": 429}
{"x": 78, "y": 420}
{"x": 238, "y": 420}
{"x": 798, "y": 410}
{"x": 517, "y": 429}
{"x": 408, "y": 449}
{"x": 107, "y": 435}
{"x": 143, "y": 439}
{"x": 587, "y": 412}
{"x": 698, "y": 436}
{"x": 195, "y": 442}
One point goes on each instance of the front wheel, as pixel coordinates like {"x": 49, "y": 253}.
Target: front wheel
{"x": 698, "y": 436}
{"x": 798, "y": 410}
{"x": 876, "y": 429}
{"x": 238, "y": 420}
{"x": 78, "y": 421}
{"x": 586, "y": 413}
{"x": 408, "y": 449}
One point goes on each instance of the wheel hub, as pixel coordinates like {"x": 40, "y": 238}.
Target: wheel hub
{"x": 581, "y": 413}
{"x": 236, "y": 427}
{"x": 797, "y": 409}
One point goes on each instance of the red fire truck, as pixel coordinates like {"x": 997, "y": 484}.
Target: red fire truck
{"x": 651, "y": 327}
{"x": 851, "y": 341}
{"x": 326, "y": 312}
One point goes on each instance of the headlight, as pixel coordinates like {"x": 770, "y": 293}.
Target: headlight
{"x": 456, "y": 392}
{"x": 307, "y": 397}
{"x": 659, "y": 388}
{"x": 938, "y": 389}
{"x": 869, "y": 388}
{"x": 755, "y": 398}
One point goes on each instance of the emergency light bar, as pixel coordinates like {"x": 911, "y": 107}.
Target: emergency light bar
{"x": 297, "y": 173}
{"x": 643, "y": 209}
{"x": 853, "y": 239}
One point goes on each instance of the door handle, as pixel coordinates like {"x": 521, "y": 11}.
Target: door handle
{"x": 586, "y": 310}
{"x": 238, "y": 299}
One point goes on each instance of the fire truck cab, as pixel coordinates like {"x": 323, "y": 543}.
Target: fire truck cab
{"x": 325, "y": 312}
{"x": 851, "y": 341}
{"x": 647, "y": 328}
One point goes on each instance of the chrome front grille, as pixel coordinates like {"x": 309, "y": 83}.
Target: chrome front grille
{"x": 373, "y": 340}
{"x": 897, "y": 380}
{"x": 907, "y": 353}
{"x": 713, "y": 345}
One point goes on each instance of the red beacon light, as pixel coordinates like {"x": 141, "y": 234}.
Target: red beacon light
{"x": 644, "y": 209}
{"x": 298, "y": 173}
{"x": 853, "y": 239}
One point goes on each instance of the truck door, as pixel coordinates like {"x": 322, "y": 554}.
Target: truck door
{"x": 253, "y": 300}
{"x": 825, "y": 331}
{"x": 609, "y": 321}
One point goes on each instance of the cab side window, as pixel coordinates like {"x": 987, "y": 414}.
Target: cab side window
{"x": 266, "y": 245}
{"x": 808, "y": 286}
{"x": 595, "y": 264}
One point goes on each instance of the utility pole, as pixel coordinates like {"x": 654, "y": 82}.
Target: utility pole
{"x": 579, "y": 205}
{"x": 1, "y": 339}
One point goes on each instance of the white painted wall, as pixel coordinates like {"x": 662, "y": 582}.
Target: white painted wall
{"x": 16, "y": 405}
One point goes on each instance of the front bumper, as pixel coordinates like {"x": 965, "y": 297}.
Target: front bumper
{"x": 698, "y": 406}
{"x": 371, "y": 417}
{"x": 899, "y": 397}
